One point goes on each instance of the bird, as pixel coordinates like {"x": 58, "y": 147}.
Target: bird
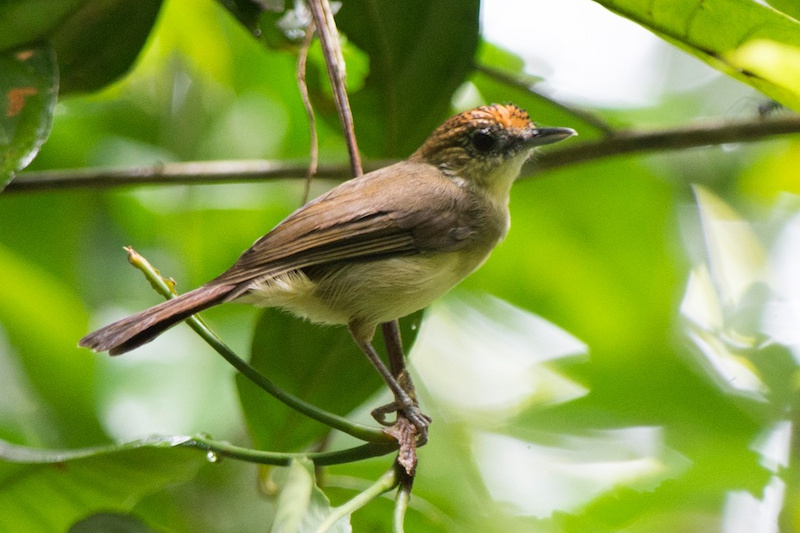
{"x": 376, "y": 247}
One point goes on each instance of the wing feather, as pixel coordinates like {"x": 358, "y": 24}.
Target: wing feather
{"x": 357, "y": 221}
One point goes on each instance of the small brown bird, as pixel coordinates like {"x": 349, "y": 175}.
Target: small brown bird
{"x": 375, "y": 248}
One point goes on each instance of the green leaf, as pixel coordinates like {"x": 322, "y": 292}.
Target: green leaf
{"x": 321, "y": 365}
{"x": 96, "y": 41}
{"x": 789, "y": 7}
{"x": 416, "y": 63}
{"x": 749, "y": 41}
{"x": 302, "y": 505}
{"x": 110, "y": 523}
{"x": 28, "y": 89}
{"x": 49, "y": 490}
{"x": 45, "y": 337}
{"x": 247, "y": 12}
{"x": 100, "y": 41}
{"x": 25, "y": 21}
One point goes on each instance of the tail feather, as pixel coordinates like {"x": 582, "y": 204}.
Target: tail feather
{"x": 135, "y": 330}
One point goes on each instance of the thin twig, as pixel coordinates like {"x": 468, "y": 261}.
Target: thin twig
{"x": 189, "y": 172}
{"x": 181, "y": 173}
{"x": 707, "y": 133}
{"x": 334, "y": 60}
{"x": 15, "y": 453}
{"x": 573, "y": 153}
{"x": 383, "y": 483}
{"x": 166, "y": 289}
{"x": 224, "y": 449}
{"x": 302, "y": 56}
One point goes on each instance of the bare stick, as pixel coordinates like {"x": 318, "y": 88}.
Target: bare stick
{"x": 302, "y": 56}
{"x": 707, "y": 133}
{"x": 181, "y": 173}
{"x": 334, "y": 60}
{"x": 200, "y": 172}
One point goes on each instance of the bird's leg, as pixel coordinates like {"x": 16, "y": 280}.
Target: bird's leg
{"x": 403, "y": 401}
{"x": 397, "y": 362}
{"x": 397, "y": 365}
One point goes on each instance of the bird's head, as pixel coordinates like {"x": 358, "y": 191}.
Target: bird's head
{"x": 487, "y": 146}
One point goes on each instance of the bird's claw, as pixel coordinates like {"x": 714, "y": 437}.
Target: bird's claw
{"x": 411, "y": 412}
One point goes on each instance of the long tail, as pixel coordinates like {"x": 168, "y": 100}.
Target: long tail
{"x": 129, "y": 333}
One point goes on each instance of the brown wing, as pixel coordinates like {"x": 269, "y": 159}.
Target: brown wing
{"x": 359, "y": 220}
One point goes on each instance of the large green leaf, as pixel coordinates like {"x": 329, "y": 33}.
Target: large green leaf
{"x": 96, "y": 41}
{"x": 99, "y": 42}
{"x": 25, "y": 21}
{"x": 321, "y": 365}
{"x": 28, "y": 91}
{"x": 747, "y": 40}
{"x": 110, "y": 522}
{"x": 420, "y": 52}
{"x": 43, "y": 320}
{"x": 790, "y": 7}
{"x": 49, "y": 490}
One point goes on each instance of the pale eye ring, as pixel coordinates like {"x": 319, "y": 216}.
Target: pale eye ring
{"x": 484, "y": 140}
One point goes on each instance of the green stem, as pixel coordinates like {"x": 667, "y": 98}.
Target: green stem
{"x": 789, "y": 517}
{"x": 400, "y": 506}
{"x": 14, "y": 453}
{"x": 224, "y": 449}
{"x": 384, "y": 483}
{"x": 166, "y": 289}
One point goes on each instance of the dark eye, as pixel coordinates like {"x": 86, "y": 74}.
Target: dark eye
{"x": 483, "y": 140}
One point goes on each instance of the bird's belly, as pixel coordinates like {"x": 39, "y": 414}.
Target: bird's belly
{"x": 380, "y": 291}
{"x": 371, "y": 292}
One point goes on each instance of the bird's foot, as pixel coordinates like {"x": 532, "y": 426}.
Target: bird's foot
{"x": 410, "y": 412}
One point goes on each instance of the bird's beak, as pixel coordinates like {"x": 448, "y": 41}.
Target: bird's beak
{"x": 542, "y": 136}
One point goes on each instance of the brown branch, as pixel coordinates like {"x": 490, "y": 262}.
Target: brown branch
{"x": 573, "y": 153}
{"x": 302, "y": 57}
{"x": 334, "y": 61}
{"x": 708, "y": 133}
{"x": 182, "y": 173}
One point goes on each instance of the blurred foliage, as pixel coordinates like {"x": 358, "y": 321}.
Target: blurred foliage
{"x": 634, "y": 369}
{"x": 72, "y": 482}
{"x": 96, "y": 41}
{"x": 750, "y": 41}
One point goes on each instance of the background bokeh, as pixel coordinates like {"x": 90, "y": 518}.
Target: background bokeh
{"x": 625, "y": 361}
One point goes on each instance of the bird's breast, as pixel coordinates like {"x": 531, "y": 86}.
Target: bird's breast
{"x": 383, "y": 290}
{"x": 369, "y": 292}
